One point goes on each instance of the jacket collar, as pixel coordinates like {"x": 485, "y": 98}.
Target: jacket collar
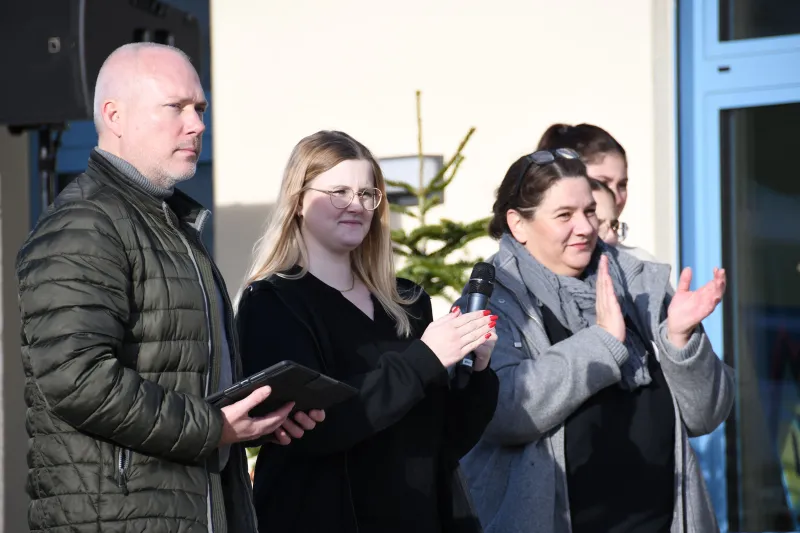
{"x": 184, "y": 207}
{"x": 508, "y": 275}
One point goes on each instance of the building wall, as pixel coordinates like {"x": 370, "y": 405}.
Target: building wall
{"x": 509, "y": 68}
{"x": 14, "y": 202}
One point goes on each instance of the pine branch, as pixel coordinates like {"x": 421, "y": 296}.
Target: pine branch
{"x": 431, "y": 201}
{"x": 435, "y": 275}
{"x": 401, "y": 184}
{"x": 408, "y": 245}
{"x": 452, "y": 176}
{"x": 436, "y": 182}
{"x": 403, "y": 210}
{"x": 456, "y": 236}
{"x": 477, "y": 226}
{"x": 399, "y": 251}
{"x": 440, "y": 175}
{"x": 429, "y": 232}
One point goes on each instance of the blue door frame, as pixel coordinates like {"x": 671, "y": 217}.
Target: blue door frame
{"x": 80, "y": 137}
{"x": 713, "y": 76}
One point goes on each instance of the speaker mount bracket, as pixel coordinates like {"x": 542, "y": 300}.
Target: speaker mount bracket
{"x": 49, "y": 142}
{"x": 49, "y": 136}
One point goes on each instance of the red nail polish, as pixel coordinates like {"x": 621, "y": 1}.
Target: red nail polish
{"x": 493, "y": 318}
{"x": 492, "y": 324}
{"x": 454, "y": 309}
{"x": 488, "y": 335}
{"x": 487, "y": 312}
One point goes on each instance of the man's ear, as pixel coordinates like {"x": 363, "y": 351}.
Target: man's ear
{"x": 516, "y": 225}
{"x": 112, "y": 117}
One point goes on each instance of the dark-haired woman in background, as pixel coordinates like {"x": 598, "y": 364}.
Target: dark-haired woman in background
{"x": 604, "y": 371}
{"x": 605, "y": 160}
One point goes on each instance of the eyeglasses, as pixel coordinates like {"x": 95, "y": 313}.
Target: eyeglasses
{"x": 620, "y": 228}
{"x": 341, "y": 198}
{"x": 541, "y": 158}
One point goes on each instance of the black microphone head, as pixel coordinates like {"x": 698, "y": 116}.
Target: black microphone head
{"x": 482, "y": 279}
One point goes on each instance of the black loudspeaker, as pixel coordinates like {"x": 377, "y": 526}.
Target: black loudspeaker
{"x": 52, "y": 51}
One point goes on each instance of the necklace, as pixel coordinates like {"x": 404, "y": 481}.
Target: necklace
{"x": 351, "y": 286}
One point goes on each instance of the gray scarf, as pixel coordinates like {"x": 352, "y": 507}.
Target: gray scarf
{"x": 572, "y": 301}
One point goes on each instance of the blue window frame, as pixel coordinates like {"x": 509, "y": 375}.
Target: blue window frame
{"x": 733, "y": 94}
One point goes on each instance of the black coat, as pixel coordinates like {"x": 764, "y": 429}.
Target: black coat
{"x": 308, "y": 485}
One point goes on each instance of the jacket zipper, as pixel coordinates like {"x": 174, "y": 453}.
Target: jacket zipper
{"x": 207, "y": 314}
{"x": 185, "y": 241}
{"x": 233, "y": 349}
{"x": 232, "y": 346}
{"x": 123, "y": 460}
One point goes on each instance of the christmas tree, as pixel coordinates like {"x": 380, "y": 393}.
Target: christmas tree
{"x": 428, "y": 252}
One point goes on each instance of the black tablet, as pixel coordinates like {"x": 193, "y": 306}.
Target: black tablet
{"x": 290, "y": 382}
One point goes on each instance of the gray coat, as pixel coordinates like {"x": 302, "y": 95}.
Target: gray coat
{"x": 516, "y": 472}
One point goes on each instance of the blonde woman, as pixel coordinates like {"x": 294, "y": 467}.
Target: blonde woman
{"x": 323, "y": 292}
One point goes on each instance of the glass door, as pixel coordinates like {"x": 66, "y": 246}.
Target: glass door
{"x": 755, "y": 19}
{"x": 739, "y": 105}
{"x": 759, "y": 196}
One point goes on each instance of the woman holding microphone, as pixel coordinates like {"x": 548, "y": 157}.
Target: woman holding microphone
{"x": 322, "y": 292}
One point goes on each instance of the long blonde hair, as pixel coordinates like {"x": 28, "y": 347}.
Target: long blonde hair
{"x": 282, "y": 245}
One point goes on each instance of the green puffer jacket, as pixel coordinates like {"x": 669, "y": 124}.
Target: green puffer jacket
{"x": 120, "y": 344}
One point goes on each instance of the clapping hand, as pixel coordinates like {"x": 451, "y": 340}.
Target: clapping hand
{"x": 609, "y": 313}
{"x": 454, "y": 335}
{"x": 483, "y": 353}
{"x": 688, "y": 308}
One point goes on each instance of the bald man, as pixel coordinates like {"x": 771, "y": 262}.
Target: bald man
{"x": 127, "y": 327}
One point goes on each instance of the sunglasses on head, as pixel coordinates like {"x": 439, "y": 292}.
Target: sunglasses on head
{"x": 541, "y": 158}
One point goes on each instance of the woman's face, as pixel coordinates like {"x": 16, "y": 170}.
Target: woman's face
{"x": 606, "y": 217}
{"x": 562, "y": 233}
{"x": 338, "y": 230}
{"x": 612, "y": 170}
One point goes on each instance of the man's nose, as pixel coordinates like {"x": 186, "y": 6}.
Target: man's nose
{"x": 195, "y": 123}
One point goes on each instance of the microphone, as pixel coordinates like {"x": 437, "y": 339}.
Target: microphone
{"x": 479, "y": 289}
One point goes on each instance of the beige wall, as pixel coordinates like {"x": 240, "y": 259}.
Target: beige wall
{"x": 510, "y": 68}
